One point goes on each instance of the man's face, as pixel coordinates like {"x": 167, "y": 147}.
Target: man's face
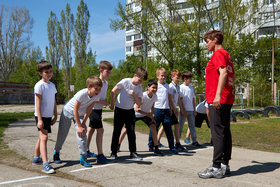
{"x": 152, "y": 88}
{"x": 176, "y": 79}
{"x": 210, "y": 44}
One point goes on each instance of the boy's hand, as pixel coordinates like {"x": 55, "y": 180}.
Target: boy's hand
{"x": 131, "y": 92}
{"x": 176, "y": 113}
{"x": 150, "y": 115}
{"x": 170, "y": 112}
{"x": 53, "y": 120}
{"x": 194, "y": 113}
{"x": 40, "y": 124}
{"x": 112, "y": 106}
{"x": 81, "y": 131}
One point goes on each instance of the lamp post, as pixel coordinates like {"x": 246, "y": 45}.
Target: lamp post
{"x": 272, "y": 63}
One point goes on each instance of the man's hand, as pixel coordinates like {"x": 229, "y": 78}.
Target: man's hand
{"x": 216, "y": 102}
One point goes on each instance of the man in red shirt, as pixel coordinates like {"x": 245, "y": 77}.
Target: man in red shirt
{"x": 219, "y": 77}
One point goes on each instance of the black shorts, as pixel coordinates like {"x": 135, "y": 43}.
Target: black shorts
{"x": 174, "y": 119}
{"x": 47, "y": 123}
{"x": 95, "y": 118}
{"x": 145, "y": 119}
{"x": 199, "y": 118}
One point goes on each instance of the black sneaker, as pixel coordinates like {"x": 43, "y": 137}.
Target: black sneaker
{"x": 134, "y": 155}
{"x": 180, "y": 148}
{"x": 56, "y": 158}
{"x": 196, "y": 144}
{"x": 114, "y": 156}
{"x": 158, "y": 152}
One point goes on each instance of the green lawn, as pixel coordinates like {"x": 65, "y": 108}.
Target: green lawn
{"x": 257, "y": 133}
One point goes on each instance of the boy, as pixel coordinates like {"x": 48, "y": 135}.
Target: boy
{"x": 219, "y": 77}
{"x": 188, "y": 99}
{"x": 130, "y": 91}
{"x": 45, "y": 109}
{"x": 95, "y": 117}
{"x": 78, "y": 109}
{"x": 174, "y": 90}
{"x": 162, "y": 111}
{"x": 146, "y": 113}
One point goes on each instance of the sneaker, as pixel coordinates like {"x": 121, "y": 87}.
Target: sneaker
{"x": 90, "y": 154}
{"x": 158, "y": 152}
{"x": 119, "y": 146}
{"x": 102, "y": 159}
{"x": 225, "y": 169}
{"x": 37, "y": 161}
{"x": 47, "y": 168}
{"x": 134, "y": 155}
{"x": 180, "y": 148}
{"x": 114, "y": 156}
{"x": 160, "y": 145}
{"x": 56, "y": 158}
{"x": 151, "y": 149}
{"x": 211, "y": 173}
{"x": 84, "y": 161}
{"x": 174, "y": 151}
{"x": 196, "y": 144}
{"x": 187, "y": 141}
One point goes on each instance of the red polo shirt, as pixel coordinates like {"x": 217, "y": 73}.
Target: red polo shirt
{"x": 220, "y": 58}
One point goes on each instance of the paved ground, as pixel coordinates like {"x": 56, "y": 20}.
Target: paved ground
{"x": 249, "y": 167}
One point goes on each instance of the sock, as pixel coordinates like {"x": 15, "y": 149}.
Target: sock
{"x": 36, "y": 157}
{"x": 45, "y": 163}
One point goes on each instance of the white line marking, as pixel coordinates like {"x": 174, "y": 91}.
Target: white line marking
{"x": 21, "y": 180}
{"x": 105, "y": 165}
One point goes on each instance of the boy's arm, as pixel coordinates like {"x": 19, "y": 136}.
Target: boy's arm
{"x": 40, "y": 123}
{"x": 138, "y": 100}
{"x": 194, "y": 108}
{"x": 221, "y": 84}
{"x": 103, "y": 102}
{"x": 171, "y": 105}
{"x": 88, "y": 111}
{"x": 113, "y": 94}
{"x": 81, "y": 128}
{"x": 138, "y": 109}
{"x": 153, "y": 112}
{"x": 54, "y": 113}
{"x": 182, "y": 107}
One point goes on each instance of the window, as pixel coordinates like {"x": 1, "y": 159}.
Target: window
{"x": 128, "y": 49}
{"x": 128, "y": 38}
{"x": 128, "y": 28}
{"x": 137, "y": 36}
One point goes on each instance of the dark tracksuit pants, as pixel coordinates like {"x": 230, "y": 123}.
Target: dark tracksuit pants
{"x": 121, "y": 117}
{"x": 221, "y": 135}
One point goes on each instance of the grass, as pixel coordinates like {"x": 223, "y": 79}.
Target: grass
{"x": 257, "y": 133}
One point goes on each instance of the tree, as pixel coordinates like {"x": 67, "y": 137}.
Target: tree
{"x": 81, "y": 39}
{"x": 15, "y": 30}
{"x": 65, "y": 45}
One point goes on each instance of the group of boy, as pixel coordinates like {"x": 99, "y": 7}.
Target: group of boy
{"x": 155, "y": 106}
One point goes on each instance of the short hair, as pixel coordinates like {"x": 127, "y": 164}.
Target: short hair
{"x": 175, "y": 72}
{"x": 211, "y": 35}
{"x": 159, "y": 70}
{"x": 105, "y": 65}
{"x": 142, "y": 73}
{"x": 43, "y": 65}
{"x": 94, "y": 81}
{"x": 186, "y": 75}
{"x": 151, "y": 82}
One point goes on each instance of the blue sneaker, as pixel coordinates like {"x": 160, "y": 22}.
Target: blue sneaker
{"x": 47, "y": 168}
{"x": 160, "y": 145}
{"x": 187, "y": 141}
{"x": 37, "y": 161}
{"x": 56, "y": 158}
{"x": 174, "y": 151}
{"x": 90, "y": 154}
{"x": 151, "y": 149}
{"x": 84, "y": 162}
{"x": 102, "y": 159}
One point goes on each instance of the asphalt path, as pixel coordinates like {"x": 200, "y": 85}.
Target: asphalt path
{"x": 248, "y": 167}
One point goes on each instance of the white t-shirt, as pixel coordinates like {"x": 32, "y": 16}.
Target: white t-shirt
{"x": 125, "y": 100}
{"x": 162, "y": 94}
{"x": 47, "y": 91}
{"x": 83, "y": 97}
{"x": 147, "y": 103}
{"x": 201, "y": 107}
{"x": 187, "y": 95}
{"x": 174, "y": 90}
{"x": 102, "y": 95}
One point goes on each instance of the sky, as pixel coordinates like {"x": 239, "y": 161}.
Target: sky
{"x": 109, "y": 45}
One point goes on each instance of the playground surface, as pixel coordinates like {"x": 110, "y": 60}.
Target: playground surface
{"x": 248, "y": 167}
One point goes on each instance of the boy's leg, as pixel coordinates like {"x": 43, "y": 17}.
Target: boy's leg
{"x": 118, "y": 124}
{"x": 89, "y": 136}
{"x": 191, "y": 123}
{"x": 160, "y": 133}
{"x": 168, "y": 129}
{"x": 158, "y": 119}
{"x": 122, "y": 135}
{"x": 63, "y": 129}
{"x": 188, "y": 133}
{"x": 99, "y": 140}
{"x": 182, "y": 120}
{"x": 37, "y": 148}
{"x": 82, "y": 141}
{"x": 130, "y": 129}
{"x": 43, "y": 136}
{"x": 228, "y": 140}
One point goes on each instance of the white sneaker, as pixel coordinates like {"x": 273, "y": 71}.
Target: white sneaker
{"x": 225, "y": 169}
